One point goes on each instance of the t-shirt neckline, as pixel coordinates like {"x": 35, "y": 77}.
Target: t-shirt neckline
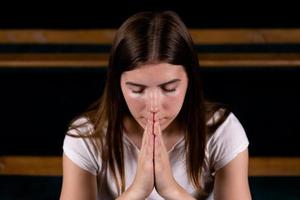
{"x": 178, "y": 144}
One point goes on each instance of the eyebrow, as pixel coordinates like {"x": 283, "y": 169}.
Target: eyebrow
{"x": 162, "y": 84}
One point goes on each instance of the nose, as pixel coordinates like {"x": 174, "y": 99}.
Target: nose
{"x": 154, "y": 101}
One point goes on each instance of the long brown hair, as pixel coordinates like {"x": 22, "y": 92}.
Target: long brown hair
{"x": 151, "y": 37}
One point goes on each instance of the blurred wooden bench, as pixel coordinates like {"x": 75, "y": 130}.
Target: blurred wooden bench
{"x": 52, "y": 166}
{"x": 75, "y": 60}
{"x": 105, "y": 37}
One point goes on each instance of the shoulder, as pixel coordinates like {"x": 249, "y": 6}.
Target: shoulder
{"x": 81, "y": 147}
{"x": 227, "y": 141}
{"x": 225, "y": 124}
{"x": 81, "y": 126}
{"x": 229, "y": 125}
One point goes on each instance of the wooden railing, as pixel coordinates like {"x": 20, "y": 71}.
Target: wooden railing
{"x": 52, "y": 166}
{"x": 74, "y": 60}
{"x": 105, "y": 37}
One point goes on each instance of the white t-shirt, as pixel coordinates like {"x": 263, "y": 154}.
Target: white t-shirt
{"x": 223, "y": 146}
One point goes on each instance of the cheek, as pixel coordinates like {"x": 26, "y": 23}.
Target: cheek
{"x": 173, "y": 103}
{"x": 135, "y": 103}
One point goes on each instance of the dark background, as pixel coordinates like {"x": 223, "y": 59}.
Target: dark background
{"x": 110, "y": 14}
{"x": 37, "y": 103}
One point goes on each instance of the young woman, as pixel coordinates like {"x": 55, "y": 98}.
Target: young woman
{"x": 152, "y": 135}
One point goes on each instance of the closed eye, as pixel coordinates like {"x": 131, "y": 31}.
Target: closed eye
{"x": 169, "y": 90}
{"x": 164, "y": 89}
{"x": 138, "y": 91}
{"x": 169, "y": 87}
{"x": 139, "y": 88}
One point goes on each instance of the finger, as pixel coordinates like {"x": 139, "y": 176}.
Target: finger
{"x": 156, "y": 142}
{"x": 145, "y": 134}
{"x": 149, "y": 131}
{"x": 146, "y": 142}
{"x": 157, "y": 150}
{"x": 157, "y": 130}
{"x": 151, "y": 119}
{"x": 156, "y": 117}
{"x": 149, "y": 116}
{"x": 158, "y": 134}
{"x": 150, "y": 147}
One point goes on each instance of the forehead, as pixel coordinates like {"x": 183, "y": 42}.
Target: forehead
{"x": 155, "y": 72}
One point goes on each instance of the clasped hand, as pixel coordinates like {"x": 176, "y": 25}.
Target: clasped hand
{"x": 153, "y": 168}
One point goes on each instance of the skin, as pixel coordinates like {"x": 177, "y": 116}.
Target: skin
{"x": 167, "y": 103}
{"x": 154, "y": 103}
{"x": 154, "y": 129}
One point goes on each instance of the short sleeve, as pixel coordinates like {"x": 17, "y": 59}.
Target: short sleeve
{"x": 226, "y": 143}
{"x": 80, "y": 149}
